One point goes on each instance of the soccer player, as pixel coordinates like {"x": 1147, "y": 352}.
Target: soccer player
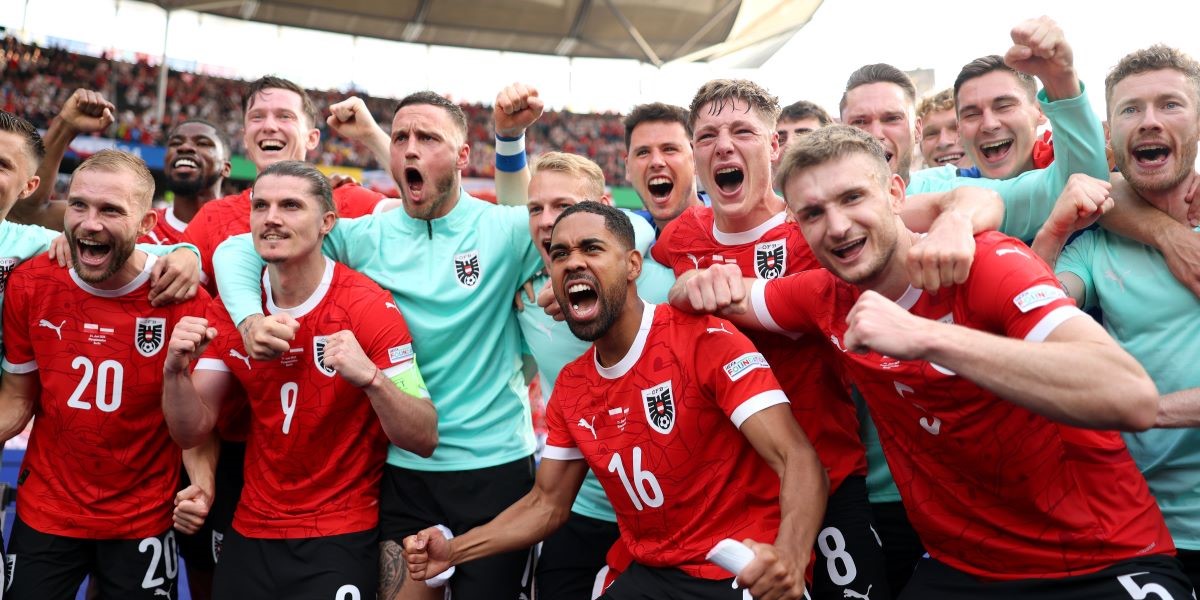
{"x": 659, "y": 162}
{"x": 937, "y": 124}
{"x": 981, "y": 392}
{"x": 305, "y": 524}
{"x": 196, "y": 162}
{"x": 665, "y": 409}
{"x": 1153, "y": 98}
{"x": 795, "y": 120}
{"x": 84, "y": 350}
{"x": 452, "y": 263}
{"x": 998, "y": 116}
{"x": 572, "y": 560}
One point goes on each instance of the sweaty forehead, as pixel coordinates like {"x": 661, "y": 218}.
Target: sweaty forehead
{"x": 729, "y": 110}
{"x": 577, "y": 226}
{"x": 275, "y": 98}
{"x": 876, "y": 99}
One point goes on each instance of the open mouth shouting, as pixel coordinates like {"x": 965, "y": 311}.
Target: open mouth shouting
{"x": 414, "y": 183}
{"x": 848, "y": 251}
{"x": 583, "y": 300}
{"x": 92, "y": 253}
{"x": 1151, "y": 155}
{"x": 997, "y": 151}
{"x": 660, "y": 187}
{"x": 185, "y": 165}
{"x": 272, "y": 146}
{"x": 729, "y": 179}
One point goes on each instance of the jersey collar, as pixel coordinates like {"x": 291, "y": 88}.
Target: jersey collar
{"x": 635, "y": 350}
{"x": 308, "y": 305}
{"x": 747, "y": 237}
{"x": 121, "y": 291}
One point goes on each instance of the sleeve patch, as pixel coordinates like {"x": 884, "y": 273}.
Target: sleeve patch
{"x": 738, "y": 367}
{"x": 400, "y": 354}
{"x": 1037, "y": 296}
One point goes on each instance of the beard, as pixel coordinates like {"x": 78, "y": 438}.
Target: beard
{"x": 1184, "y": 166}
{"x": 444, "y": 190}
{"x": 120, "y": 253}
{"x": 191, "y": 187}
{"x": 610, "y": 303}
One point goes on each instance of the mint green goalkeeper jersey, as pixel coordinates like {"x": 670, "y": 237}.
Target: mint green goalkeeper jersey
{"x": 1157, "y": 320}
{"x": 454, "y": 279}
{"x": 553, "y": 346}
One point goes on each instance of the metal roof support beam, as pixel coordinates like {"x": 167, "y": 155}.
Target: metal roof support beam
{"x": 730, "y": 5}
{"x": 635, "y": 34}
{"x": 413, "y": 30}
{"x": 568, "y": 42}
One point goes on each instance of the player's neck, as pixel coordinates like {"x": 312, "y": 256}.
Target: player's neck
{"x": 1172, "y": 201}
{"x": 293, "y": 281}
{"x": 185, "y": 207}
{"x": 615, "y": 344}
{"x": 764, "y": 210}
{"x": 134, "y": 265}
{"x": 892, "y": 282}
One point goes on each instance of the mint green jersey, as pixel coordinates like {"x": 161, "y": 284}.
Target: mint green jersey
{"x": 1030, "y": 196}
{"x": 1157, "y": 320}
{"x": 454, "y": 279}
{"x": 553, "y": 346}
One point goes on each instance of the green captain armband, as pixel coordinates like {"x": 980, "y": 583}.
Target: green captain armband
{"x": 408, "y": 378}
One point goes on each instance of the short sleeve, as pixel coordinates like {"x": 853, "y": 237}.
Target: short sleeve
{"x": 18, "y": 350}
{"x": 382, "y": 331}
{"x": 1077, "y": 258}
{"x": 787, "y": 305}
{"x": 223, "y": 347}
{"x": 735, "y": 372}
{"x": 559, "y": 443}
{"x": 354, "y": 200}
{"x": 1013, "y": 293}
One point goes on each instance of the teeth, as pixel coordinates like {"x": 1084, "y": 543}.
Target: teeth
{"x": 949, "y": 158}
{"x": 90, "y": 243}
{"x": 659, "y": 181}
{"x": 727, "y": 170}
{"x": 994, "y": 145}
{"x": 186, "y": 162}
{"x": 579, "y": 287}
{"x": 271, "y": 145}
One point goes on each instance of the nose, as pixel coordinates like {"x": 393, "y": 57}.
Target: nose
{"x": 874, "y": 128}
{"x": 656, "y": 159}
{"x": 1150, "y": 120}
{"x": 988, "y": 121}
{"x": 837, "y": 223}
{"x": 724, "y": 143}
{"x": 273, "y": 215}
{"x": 947, "y": 137}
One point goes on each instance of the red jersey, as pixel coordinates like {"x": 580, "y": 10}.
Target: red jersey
{"x": 167, "y": 231}
{"x": 100, "y": 462}
{"x": 992, "y": 488}
{"x": 220, "y": 219}
{"x": 316, "y": 449}
{"x": 806, "y": 368}
{"x": 660, "y": 431}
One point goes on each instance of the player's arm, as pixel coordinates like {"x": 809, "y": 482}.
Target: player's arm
{"x": 351, "y": 119}
{"x": 191, "y": 401}
{"x": 720, "y": 290}
{"x": 1136, "y": 219}
{"x": 528, "y": 521}
{"x": 1083, "y": 201}
{"x": 399, "y": 397}
{"x": 84, "y": 112}
{"x": 1077, "y": 375}
{"x": 517, "y": 107}
{"x": 18, "y": 396}
{"x": 943, "y": 257}
{"x": 1179, "y": 409}
{"x": 803, "y": 491}
{"x": 193, "y": 502}
{"x": 175, "y": 276}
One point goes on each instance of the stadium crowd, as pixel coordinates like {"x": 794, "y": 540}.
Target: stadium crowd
{"x": 807, "y": 369}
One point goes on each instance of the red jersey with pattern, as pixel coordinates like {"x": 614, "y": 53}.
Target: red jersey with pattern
{"x": 100, "y": 462}
{"x": 316, "y": 449}
{"x": 806, "y": 368}
{"x": 167, "y": 231}
{"x": 993, "y": 489}
{"x": 660, "y": 431}
{"x": 220, "y": 219}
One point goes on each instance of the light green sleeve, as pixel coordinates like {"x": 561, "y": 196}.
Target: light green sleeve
{"x": 654, "y": 284}
{"x": 410, "y": 381}
{"x": 160, "y": 251}
{"x": 1077, "y": 258}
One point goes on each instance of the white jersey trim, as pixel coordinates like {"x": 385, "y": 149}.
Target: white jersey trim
{"x": 1051, "y": 321}
{"x": 26, "y": 367}
{"x": 758, "y": 304}
{"x": 751, "y": 236}
{"x": 175, "y": 222}
{"x": 395, "y": 370}
{"x": 635, "y": 351}
{"x": 560, "y": 453}
{"x": 909, "y": 298}
{"x": 212, "y": 364}
{"x": 125, "y": 289}
{"x": 756, "y": 403}
{"x": 308, "y": 305}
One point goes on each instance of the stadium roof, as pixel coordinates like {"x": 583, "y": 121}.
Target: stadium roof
{"x": 653, "y": 31}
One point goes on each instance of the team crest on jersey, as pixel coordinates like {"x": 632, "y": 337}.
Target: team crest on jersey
{"x": 149, "y": 335}
{"x": 10, "y": 567}
{"x": 319, "y": 342}
{"x": 218, "y": 539}
{"x": 659, "y": 403}
{"x": 770, "y": 259}
{"x": 7, "y": 264}
{"x": 466, "y": 268}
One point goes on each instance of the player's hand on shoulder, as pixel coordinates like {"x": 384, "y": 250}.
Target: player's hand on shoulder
{"x": 549, "y": 303}
{"x": 60, "y": 250}
{"x": 87, "y": 111}
{"x": 268, "y": 337}
{"x": 351, "y": 119}
{"x": 174, "y": 278}
{"x": 188, "y": 340}
{"x": 1083, "y": 200}
{"x": 344, "y": 355}
{"x": 720, "y": 289}
{"x": 773, "y": 574}
{"x": 427, "y": 554}
{"x": 191, "y": 508}
{"x": 517, "y": 107}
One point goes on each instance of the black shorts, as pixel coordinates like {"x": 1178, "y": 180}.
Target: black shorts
{"x": 42, "y": 566}
{"x": 848, "y": 554}
{"x": 201, "y": 550}
{"x": 572, "y": 557}
{"x": 1156, "y": 577}
{"x": 902, "y": 549}
{"x": 336, "y": 567}
{"x": 640, "y": 582}
{"x": 1190, "y": 560}
{"x": 413, "y": 500}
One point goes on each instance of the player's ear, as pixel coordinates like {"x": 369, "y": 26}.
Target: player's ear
{"x": 328, "y": 220}
{"x": 149, "y": 220}
{"x": 634, "y": 259}
{"x": 464, "y": 156}
{"x": 896, "y": 193}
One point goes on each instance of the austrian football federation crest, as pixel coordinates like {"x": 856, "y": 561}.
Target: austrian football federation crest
{"x": 466, "y": 268}
{"x": 660, "y": 407}
{"x": 770, "y": 259}
{"x": 149, "y": 335}
{"x": 319, "y": 342}
{"x": 7, "y": 264}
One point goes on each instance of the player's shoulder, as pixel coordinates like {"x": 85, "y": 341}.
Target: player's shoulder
{"x": 39, "y": 266}
{"x": 352, "y": 284}
{"x": 354, "y": 200}
{"x": 693, "y": 225}
{"x": 993, "y": 245}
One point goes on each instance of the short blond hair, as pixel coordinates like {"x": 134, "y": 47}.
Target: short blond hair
{"x": 576, "y": 166}
{"x": 943, "y": 100}
{"x": 830, "y": 143}
{"x": 115, "y": 161}
{"x": 729, "y": 91}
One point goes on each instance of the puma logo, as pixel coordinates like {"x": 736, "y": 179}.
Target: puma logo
{"x": 390, "y": 305}
{"x": 849, "y": 593}
{"x": 933, "y": 427}
{"x": 162, "y": 592}
{"x": 590, "y": 426}
{"x": 1003, "y": 251}
{"x": 241, "y": 357}
{"x": 57, "y": 328}
{"x": 695, "y": 261}
{"x": 720, "y": 329}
